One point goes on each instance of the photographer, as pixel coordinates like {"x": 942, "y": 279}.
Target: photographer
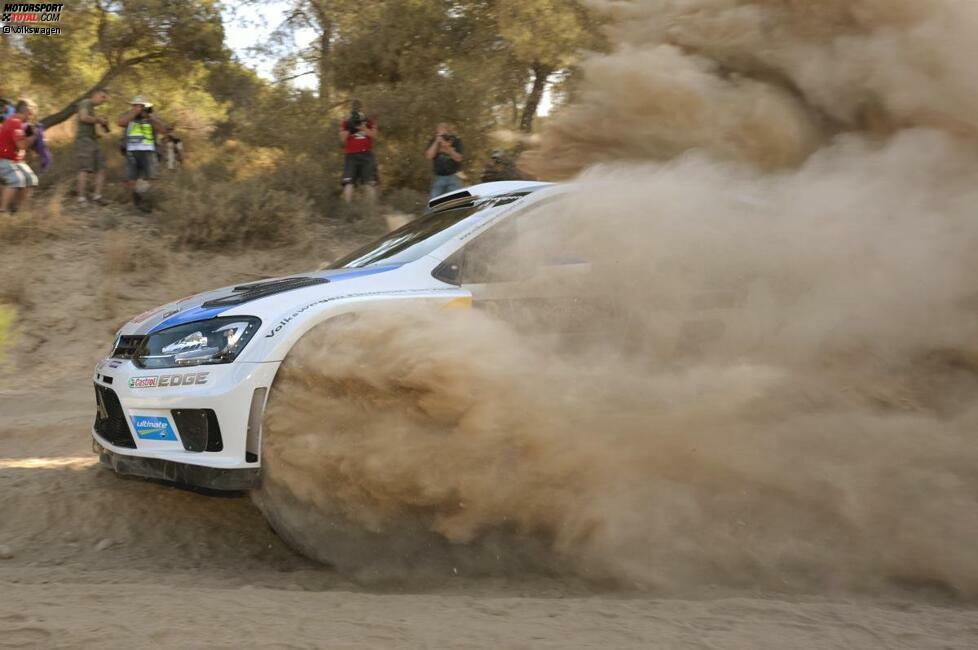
{"x": 357, "y": 134}
{"x": 142, "y": 131}
{"x": 90, "y": 158}
{"x": 445, "y": 152}
{"x": 17, "y": 135}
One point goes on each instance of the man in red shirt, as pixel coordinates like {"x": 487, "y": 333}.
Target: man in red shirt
{"x": 357, "y": 134}
{"x": 17, "y": 135}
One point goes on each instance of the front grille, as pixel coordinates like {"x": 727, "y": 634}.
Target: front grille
{"x": 198, "y": 429}
{"x": 127, "y": 346}
{"x": 248, "y": 292}
{"x": 110, "y": 420}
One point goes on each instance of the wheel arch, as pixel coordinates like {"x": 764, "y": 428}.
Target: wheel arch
{"x": 282, "y": 336}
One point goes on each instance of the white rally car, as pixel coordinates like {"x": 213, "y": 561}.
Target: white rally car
{"x": 182, "y": 394}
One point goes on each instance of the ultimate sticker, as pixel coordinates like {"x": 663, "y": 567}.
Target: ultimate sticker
{"x": 153, "y": 427}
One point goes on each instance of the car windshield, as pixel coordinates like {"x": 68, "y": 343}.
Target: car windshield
{"x": 419, "y": 237}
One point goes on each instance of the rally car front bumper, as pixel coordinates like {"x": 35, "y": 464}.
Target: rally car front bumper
{"x": 198, "y": 427}
{"x": 160, "y": 469}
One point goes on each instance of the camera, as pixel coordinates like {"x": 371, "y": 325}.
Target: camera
{"x": 356, "y": 121}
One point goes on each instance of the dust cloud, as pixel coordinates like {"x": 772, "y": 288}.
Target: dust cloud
{"x": 768, "y": 376}
{"x": 767, "y": 82}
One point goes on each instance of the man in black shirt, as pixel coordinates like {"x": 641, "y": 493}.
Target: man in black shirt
{"x": 445, "y": 153}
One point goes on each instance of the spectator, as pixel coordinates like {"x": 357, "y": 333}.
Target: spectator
{"x": 90, "y": 158}
{"x": 17, "y": 135}
{"x": 445, "y": 153}
{"x": 499, "y": 168}
{"x": 143, "y": 129}
{"x": 357, "y": 134}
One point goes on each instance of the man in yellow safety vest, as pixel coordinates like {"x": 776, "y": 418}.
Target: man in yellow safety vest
{"x": 142, "y": 131}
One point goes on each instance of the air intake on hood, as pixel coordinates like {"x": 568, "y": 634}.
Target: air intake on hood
{"x": 254, "y": 291}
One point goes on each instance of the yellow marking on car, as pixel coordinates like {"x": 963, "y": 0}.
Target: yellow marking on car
{"x": 465, "y": 302}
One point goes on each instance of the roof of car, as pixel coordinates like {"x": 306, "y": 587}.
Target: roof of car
{"x": 484, "y": 190}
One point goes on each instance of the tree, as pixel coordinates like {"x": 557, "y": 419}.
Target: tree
{"x": 124, "y": 35}
{"x": 544, "y": 36}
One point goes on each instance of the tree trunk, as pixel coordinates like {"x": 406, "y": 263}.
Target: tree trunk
{"x": 325, "y": 63}
{"x": 541, "y": 73}
{"x": 57, "y": 118}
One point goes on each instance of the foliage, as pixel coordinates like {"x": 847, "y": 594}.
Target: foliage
{"x": 481, "y": 64}
{"x": 227, "y": 215}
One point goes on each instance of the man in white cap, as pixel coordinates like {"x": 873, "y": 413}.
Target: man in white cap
{"x": 143, "y": 129}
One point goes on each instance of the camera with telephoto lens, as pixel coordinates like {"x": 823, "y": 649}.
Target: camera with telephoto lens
{"x": 356, "y": 121}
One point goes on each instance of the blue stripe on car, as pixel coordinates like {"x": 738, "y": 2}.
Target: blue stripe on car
{"x": 189, "y": 316}
{"x": 205, "y": 313}
{"x": 335, "y": 275}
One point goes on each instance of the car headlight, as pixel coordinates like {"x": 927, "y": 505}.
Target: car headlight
{"x": 219, "y": 340}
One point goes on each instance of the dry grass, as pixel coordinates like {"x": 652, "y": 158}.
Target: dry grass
{"x": 403, "y": 199}
{"x": 124, "y": 253}
{"x": 45, "y": 219}
{"x": 107, "y": 301}
{"x": 13, "y": 288}
{"x": 225, "y": 215}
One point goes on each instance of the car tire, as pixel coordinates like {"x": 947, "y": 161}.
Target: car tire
{"x": 411, "y": 550}
{"x": 302, "y": 512}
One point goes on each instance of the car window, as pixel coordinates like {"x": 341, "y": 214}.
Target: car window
{"x": 512, "y": 249}
{"x": 494, "y": 256}
{"x": 420, "y": 236}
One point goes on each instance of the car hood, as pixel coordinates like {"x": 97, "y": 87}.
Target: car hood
{"x": 214, "y": 303}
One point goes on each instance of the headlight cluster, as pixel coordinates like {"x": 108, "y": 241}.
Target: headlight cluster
{"x": 219, "y": 340}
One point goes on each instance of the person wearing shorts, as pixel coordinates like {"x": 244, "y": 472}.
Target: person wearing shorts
{"x": 141, "y": 165}
{"x": 142, "y": 130}
{"x": 87, "y": 149}
{"x": 16, "y": 137}
{"x": 357, "y": 134}
{"x": 359, "y": 168}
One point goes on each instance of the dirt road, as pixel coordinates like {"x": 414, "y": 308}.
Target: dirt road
{"x": 87, "y": 558}
{"x": 91, "y": 559}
